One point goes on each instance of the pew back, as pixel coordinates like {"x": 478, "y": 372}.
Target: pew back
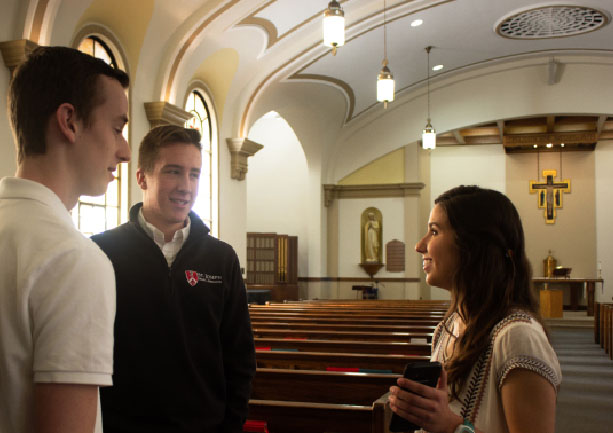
{"x": 344, "y": 346}
{"x": 325, "y": 360}
{"x": 320, "y": 386}
{"x": 304, "y": 417}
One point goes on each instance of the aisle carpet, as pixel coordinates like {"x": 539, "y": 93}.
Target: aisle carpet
{"x": 585, "y": 399}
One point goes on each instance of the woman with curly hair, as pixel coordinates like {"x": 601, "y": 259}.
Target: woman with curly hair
{"x": 500, "y": 372}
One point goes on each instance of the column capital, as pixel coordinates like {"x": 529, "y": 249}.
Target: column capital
{"x": 240, "y": 150}
{"x": 16, "y": 52}
{"x": 164, "y": 113}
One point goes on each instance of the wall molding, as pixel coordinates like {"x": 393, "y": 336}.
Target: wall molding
{"x": 357, "y": 280}
{"x": 333, "y": 192}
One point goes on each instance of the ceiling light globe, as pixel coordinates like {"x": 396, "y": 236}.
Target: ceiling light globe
{"x": 428, "y": 137}
{"x": 386, "y": 86}
{"x": 334, "y": 25}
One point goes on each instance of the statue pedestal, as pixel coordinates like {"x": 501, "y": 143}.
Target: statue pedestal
{"x": 371, "y": 268}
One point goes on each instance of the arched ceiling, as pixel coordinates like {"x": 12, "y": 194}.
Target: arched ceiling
{"x": 462, "y": 33}
{"x": 280, "y": 41}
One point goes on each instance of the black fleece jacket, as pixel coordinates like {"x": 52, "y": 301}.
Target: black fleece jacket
{"x": 184, "y": 352}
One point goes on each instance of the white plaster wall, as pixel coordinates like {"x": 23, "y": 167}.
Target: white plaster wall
{"x": 232, "y": 194}
{"x": 482, "y": 165}
{"x": 316, "y": 130}
{"x": 277, "y": 184}
{"x": 604, "y": 219}
{"x": 349, "y": 232}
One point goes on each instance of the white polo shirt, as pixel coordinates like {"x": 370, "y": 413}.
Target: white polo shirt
{"x": 57, "y": 301}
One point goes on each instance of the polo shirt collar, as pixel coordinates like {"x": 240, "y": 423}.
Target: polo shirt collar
{"x": 18, "y": 188}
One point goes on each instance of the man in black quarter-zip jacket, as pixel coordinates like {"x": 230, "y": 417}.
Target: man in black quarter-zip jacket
{"x": 184, "y": 353}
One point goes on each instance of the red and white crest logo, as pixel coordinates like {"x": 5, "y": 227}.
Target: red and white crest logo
{"x": 192, "y": 277}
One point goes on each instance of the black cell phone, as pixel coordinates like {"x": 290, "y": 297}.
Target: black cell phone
{"x": 424, "y": 372}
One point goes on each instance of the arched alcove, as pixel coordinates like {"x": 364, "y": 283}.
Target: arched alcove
{"x": 277, "y": 184}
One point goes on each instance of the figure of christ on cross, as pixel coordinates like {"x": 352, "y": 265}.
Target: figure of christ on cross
{"x": 550, "y": 194}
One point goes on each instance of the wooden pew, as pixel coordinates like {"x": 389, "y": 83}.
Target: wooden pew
{"x": 369, "y": 302}
{"x": 378, "y": 303}
{"x": 320, "y": 386}
{"x": 334, "y": 308}
{"x": 372, "y": 315}
{"x": 343, "y": 326}
{"x": 344, "y": 346}
{"x": 603, "y": 326}
{"x": 319, "y": 401}
{"x": 606, "y": 327}
{"x": 333, "y": 401}
{"x": 357, "y": 309}
{"x": 323, "y": 360}
{"x": 255, "y": 317}
{"x": 342, "y": 335}
{"x": 307, "y": 417}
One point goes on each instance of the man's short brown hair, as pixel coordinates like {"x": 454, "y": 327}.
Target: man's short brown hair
{"x": 161, "y": 136}
{"x": 50, "y": 77}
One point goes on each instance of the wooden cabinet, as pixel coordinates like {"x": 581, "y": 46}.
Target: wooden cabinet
{"x": 262, "y": 256}
{"x": 272, "y": 261}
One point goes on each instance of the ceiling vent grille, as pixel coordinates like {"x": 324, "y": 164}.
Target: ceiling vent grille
{"x": 551, "y": 22}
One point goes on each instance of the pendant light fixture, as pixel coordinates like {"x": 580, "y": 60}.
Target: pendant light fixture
{"x": 386, "y": 85}
{"x": 334, "y": 26}
{"x": 428, "y": 136}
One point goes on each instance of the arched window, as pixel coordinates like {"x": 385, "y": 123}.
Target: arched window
{"x": 199, "y": 105}
{"x": 93, "y": 215}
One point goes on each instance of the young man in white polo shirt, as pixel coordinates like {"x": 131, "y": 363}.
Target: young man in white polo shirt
{"x": 57, "y": 289}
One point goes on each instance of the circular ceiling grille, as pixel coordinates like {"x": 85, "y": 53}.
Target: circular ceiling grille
{"x": 552, "y": 22}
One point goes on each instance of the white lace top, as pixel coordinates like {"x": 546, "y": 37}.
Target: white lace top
{"x": 518, "y": 341}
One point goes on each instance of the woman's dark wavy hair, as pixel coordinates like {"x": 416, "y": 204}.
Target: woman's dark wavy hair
{"x": 493, "y": 275}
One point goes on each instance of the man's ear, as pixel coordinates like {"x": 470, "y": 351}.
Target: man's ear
{"x": 66, "y": 118}
{"x": 141, "y": 179}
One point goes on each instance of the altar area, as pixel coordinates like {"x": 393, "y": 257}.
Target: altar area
{"x": 552, "y": 294}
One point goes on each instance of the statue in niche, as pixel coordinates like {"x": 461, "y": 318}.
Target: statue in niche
{"x": 371, "y": 235}
{"x": 371, "y": 249}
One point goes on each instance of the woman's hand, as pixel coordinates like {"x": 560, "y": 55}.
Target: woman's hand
{"x": 424, "y": 405}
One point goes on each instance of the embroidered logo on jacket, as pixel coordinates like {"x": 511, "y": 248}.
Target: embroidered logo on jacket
{"x": 194, "y": 278}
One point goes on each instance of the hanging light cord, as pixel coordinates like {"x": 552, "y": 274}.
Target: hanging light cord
{"x": 428, "y": 51}
{"x": 385, "y": 61}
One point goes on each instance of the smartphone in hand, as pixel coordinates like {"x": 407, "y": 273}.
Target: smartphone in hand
{"x": 424, "y": 372}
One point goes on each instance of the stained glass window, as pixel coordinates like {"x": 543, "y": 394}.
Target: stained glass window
{"x": 198, "y": 104}
{"x": 93, "y": 215}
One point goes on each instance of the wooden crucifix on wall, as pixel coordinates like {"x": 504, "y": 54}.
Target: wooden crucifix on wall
{"x": 549, "y": 194}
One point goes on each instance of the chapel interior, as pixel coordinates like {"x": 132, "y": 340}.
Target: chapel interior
{"x": 323, "y": 184}
{"x": 298, "y": 146}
